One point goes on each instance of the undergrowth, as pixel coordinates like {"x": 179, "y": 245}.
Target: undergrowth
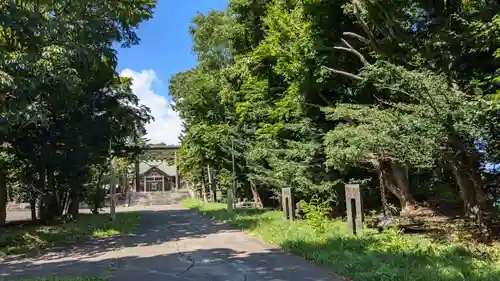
{"x": 387, "y": 256}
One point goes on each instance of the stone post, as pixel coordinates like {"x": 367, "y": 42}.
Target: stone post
{"x": 354, "y": 205}
{"x": 287, "y": 203}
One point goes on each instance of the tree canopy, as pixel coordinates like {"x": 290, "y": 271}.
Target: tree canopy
{"x": 401, "y": 95}
{"x": 64, "y": 105}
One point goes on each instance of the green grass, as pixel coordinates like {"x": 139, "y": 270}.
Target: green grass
{"x": 16, "y": 239}
{"x": 375, "y": 256}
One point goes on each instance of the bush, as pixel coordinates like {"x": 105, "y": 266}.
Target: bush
{"x": 316, "y": 213}
{"x": 95, "y": 198}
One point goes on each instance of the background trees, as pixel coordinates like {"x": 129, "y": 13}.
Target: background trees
{"x": 400, "y": 95}
{"x": 63, "y": 102}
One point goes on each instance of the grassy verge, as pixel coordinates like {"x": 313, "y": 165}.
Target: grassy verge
{"x": 375, "y": 256}
{"x": 18, "y": 239}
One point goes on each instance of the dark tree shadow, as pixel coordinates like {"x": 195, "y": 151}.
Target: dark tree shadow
{"x": 218, "y": 264}
{"x": 166, "y": 229}
{"x": 359, "y": 259}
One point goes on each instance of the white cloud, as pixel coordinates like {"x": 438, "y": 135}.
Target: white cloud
{"x": 167, "y": 125}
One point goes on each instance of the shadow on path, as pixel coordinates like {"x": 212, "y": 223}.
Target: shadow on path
{"x": 171, "y": 244}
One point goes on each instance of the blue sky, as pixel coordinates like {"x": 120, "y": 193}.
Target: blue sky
{"x": 165, "y": 49}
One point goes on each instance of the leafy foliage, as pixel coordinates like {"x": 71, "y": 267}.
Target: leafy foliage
{"x": 316, "y": 213}
{"x": 312, "y": 93}
{"x": 63, "y": 101}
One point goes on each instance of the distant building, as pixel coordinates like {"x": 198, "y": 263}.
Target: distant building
{"x": 160, "y": 174}
{"x": 156, "y": 176}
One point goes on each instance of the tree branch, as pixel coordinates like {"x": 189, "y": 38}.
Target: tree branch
{"x": 350, "y": 75}
{"x": 324, "y": 99}
{"x": 357, "y": 36}
{"x": 364, "y": 25}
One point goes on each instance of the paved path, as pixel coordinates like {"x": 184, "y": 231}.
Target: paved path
{"x": 172, "y": 244}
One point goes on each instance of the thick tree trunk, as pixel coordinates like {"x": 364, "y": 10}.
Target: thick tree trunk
{"x": 402, "y": 191}
{"x": 55, "y": 199}
{"x": 74, "y": 203}
{"x": 383, "y": 197}
{"x": 33, "y": 208}
{"x": 256, "y": 196}
{"x": 3, "y": 196}
{"x": 471, "y": 190}
{"x": 395, "y": 179}
{"x": 214, "y": 190}
{"x": 40, "y": 186}
{"x": 466, "y": 172}
{"x": 10, "y": 190}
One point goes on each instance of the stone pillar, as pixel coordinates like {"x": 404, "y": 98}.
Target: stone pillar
{"x": 287, "y": 203}
{"x": 354, "y": 207}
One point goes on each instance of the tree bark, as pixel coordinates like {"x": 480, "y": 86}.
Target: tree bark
{"x": 40, "y": 186}
{"x": 55, "y": 198}
{"x": 203, "y": 186}
{"x": 383, "y": 197}
{"x": 3, "y": 196}
{"x": 256, "y": 195}
{"x": 395, "y": 179}
{"x": 10, "y": 191}
{"x": 74, "y": 203}
{"x": 465, "y": 164}
{"x": 471, "y": 190}
{"x": 33, "y": 208}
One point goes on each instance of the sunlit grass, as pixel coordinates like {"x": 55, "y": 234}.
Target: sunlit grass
{"x": 17, "y": 239}
{"x": 375, "y": 256}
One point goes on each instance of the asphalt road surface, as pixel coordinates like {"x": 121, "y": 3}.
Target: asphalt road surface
{"x": 171, "y": 244}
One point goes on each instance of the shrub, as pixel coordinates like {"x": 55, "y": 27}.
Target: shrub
{"x": 316, "y": 213}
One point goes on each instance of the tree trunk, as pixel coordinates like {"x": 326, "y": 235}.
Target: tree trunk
{"x": 10, "y": 190}
{"x": 383, "y": 197}
{"x": 214, "y": 190}
{"x": 471, "y": 190}
{"x": 465, "y": 166}
{"x": 256, "y": 196}
{"x": 54, "y": 207}
{"x": 40, "y": 187}
{"x": 400, "y": 179}
{"x": 33, "y": 208}
{"x": 3, "y": 196}
{"x": 203, "y": 187}
{"x": 73, "y": 201}
{"x": 395, "y": 179}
